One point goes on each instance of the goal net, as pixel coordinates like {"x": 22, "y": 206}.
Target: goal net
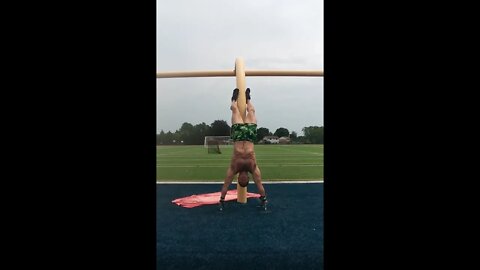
{"x": 215, "y": 143}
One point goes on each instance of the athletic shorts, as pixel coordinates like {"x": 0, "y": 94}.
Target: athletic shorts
{"x": 244, "y": 132}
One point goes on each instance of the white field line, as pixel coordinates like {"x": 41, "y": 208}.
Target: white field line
{"x": 220, "y": 166}
{"x": 228, "y": 159}
{"x": 315, "y": 155}
{"x": 186, "y": 152}
{"x": 221, "y": 182}
{"x": 297, "y": 151}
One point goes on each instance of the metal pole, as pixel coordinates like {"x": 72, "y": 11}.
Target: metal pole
{"x": 231, "y": 73}
{"x": 242, "y": 107}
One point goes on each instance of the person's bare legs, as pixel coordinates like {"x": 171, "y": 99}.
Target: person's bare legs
{"x": 236, "y": 117}
{"x": 251, "y": 118}
{"x": 238, "y": 147}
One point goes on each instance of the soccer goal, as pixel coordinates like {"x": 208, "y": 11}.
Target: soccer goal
{"x": 214, "y": 143}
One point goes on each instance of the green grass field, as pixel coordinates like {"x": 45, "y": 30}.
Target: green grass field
{"x": 276, "y": 162}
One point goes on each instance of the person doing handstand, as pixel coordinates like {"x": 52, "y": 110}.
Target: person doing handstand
{"x": 243, "y": 160}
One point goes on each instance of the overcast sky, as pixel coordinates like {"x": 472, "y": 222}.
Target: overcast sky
{"x": 267, "y": 34}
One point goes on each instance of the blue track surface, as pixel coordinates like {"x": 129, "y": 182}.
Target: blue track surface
{"x": 289, "y": 236}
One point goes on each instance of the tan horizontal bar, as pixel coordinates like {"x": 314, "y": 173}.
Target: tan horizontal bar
{"x": 231, "y": 73}
{"x": 284, "y": 73}
{"x": 211, "y": 73}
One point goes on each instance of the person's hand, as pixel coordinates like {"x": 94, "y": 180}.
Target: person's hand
{"x": 221, "y": 204}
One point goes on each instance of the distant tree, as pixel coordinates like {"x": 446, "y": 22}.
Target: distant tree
{"x": 313, "y": 134}
{"x": 293, "y": 135}
{"x": 281, "y": 132}
{"x": 301, "y": 139}
{"x": 199, "y": 133}
{"x": 169, "y": 137}
{"x": 161, "y": 138}
{"x": 186, "y": 133}
{"x": 219, "y": 128}
{"x": 262, "y": 132}
{"x": 177, "y": 137}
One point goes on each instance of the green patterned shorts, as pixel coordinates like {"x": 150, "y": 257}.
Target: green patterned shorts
{"x": 244, "y": 132}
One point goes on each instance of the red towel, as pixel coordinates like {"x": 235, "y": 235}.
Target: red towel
{"x": 209, "y": 198}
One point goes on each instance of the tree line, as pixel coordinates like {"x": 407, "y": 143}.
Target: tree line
{"x": 189, "y": 134}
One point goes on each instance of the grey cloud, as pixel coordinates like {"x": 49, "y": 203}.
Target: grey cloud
{"x": 210, "y": 34}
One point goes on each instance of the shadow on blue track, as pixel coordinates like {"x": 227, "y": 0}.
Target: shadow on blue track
{"x": 243, "y": 236}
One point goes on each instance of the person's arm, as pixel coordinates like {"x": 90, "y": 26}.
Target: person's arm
{"x": 257, "y": 177}
{"x": 227, "y": 182}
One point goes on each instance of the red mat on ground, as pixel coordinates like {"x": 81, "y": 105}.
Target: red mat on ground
{"x": 209, "y": 198}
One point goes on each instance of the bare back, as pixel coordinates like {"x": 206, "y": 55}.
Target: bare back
{"x": 243, "y": 157}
